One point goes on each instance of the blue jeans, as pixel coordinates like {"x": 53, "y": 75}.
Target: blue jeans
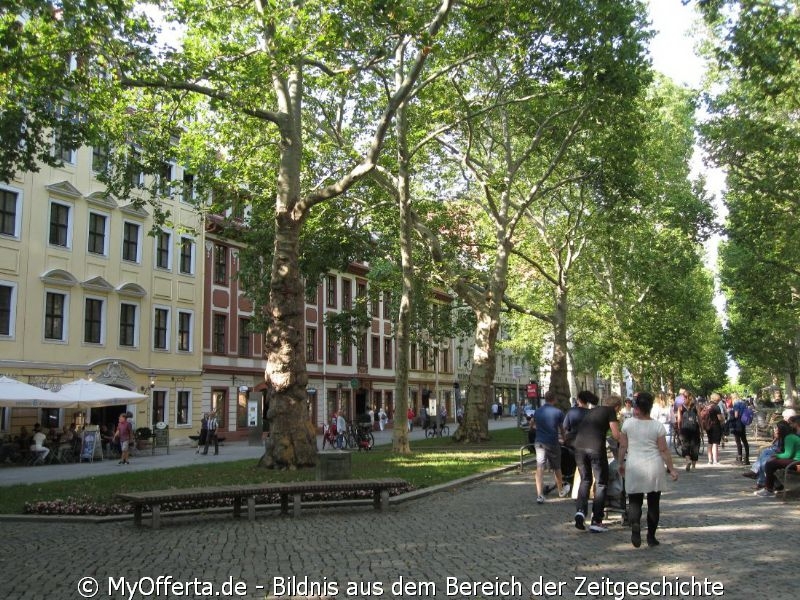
{"x": 592, "y": 466}
{"x": 758, "y": 466}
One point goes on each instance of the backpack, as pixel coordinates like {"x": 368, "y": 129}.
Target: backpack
{"x": 746, "y": 416}
{"x": 706, "y": 420}
{"x": 689, "y": 421}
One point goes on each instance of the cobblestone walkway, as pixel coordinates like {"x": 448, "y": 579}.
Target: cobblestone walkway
{"x": 490, "y": 531}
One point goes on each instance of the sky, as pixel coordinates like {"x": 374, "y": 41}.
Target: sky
{"x": 672, "y": 52}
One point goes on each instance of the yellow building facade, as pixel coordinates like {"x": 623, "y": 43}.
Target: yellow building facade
{"x": 87, "y": 291}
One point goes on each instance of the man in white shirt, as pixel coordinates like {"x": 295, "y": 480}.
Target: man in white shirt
{"x": 38, "y": 448}
{"x": 213, "y": 423}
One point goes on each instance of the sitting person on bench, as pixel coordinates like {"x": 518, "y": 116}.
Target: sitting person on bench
{"x": 790, "y": 454}
{"x": 756, "y": 470}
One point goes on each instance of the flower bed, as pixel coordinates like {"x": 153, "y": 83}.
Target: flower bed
{"x": 86, "y": 506}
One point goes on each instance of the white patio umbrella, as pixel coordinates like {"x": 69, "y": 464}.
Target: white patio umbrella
{"x": 84, "y": 393}
{"x": 16, "y": 394}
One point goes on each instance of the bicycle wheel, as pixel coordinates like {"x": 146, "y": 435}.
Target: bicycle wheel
{"x": 446, "y": 431}
{"x": 371, "y": 440}
{"x": 430, "y": 432}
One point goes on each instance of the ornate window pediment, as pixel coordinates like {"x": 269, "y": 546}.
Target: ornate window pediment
{"x": 64, "y": 189}
{"x": 131, "y": 289}
{"x": 59, "y": 277}
{"x": 97, "y": 284}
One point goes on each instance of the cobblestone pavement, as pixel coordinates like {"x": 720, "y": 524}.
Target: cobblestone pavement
{"x": 487, "y": 531}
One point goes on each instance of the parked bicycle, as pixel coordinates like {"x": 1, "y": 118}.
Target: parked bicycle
{"x": 432, "y": 430}
{"x": 359, "y": 436}
{"x": 328, "y": 436}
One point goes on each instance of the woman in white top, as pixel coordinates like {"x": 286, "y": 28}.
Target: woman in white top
{"x": 643, "y": 452}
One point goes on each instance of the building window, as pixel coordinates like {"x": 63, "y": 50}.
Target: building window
{"x": 311, "y": 344}
{"x": 93, "y": 321}
{"x": 163, "y": 249}
{"x": 330, "y": 351}
{"x": 387, "y": 305}
{"x": 98, "y": 234}
{"x": 164, "y": 177}
{"x": 183, "y": 409}
{"x": 55, "y": 316}
{"x": 8, "y": 301}
{"x": 412, "y": 356}
{"x": 187, "y": 256}
{"x": 245, "y": 339}
{"x": 331, "y": 298}
{"x": 218, "y": 334}
{"x": 184, "y": 331}
{"x": 445, "y": 360}
{"x": 347, "y": 353}
{"x": 160, "y": 329}
{"x": 188, "y": 187}
{"x": 49, "y": 419}
{"x": 59, "y": 224}
{"x": 159, "y": 406}
{"x": 219, "y": 405}
{"x": 130, "y": 242}
{"x": 63, "y": 150}
{"x": 9, "y": 208}
{"x": 361, "y": 350}
{"x": 220, "y": 265}
{"x": 387, "y": 353}
{"x": 347, "y": 294}
{"x": 376, "y": 352}
{"x": 373, "y": 310}
{"x": 135, "y": 168}
{"x": 127, "y": 325}
{"x": 100, "y": 159}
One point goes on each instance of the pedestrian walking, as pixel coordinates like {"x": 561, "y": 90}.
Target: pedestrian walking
{"x": 201, "y": 441}
{"x": 688, "y": 424}
{"x": 713, "y": 428}
{"x": 548, "y": 422}
{"x": 643, "y": 452}
{"x": 124, "y": 434}
{"x": 592, "y": 459}
{"x": 739, "y": 430}
{"x": 382, "y": 418}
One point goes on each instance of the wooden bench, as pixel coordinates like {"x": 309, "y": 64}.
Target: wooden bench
{"x": 239, "y": 493}
{"x": 789, "y": 478}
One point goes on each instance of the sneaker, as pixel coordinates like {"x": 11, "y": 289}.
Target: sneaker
{"x": 598, "y": 528}
{"x": 652, "y": 541}
{"x": 749, "y": 475}
{"x": 765, "y": 493}
{"x": 539, "y": 499}
{"x": 564, "y": 491}
{"x": 688, "y": 467}
{"x": 746, "y": 462}
{"x": 580, "y": 518}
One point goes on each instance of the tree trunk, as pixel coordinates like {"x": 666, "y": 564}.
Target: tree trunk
{"x": 475, "y": 427}
{"x": 292, "y": 441}
{"x": 400, "y": 444}
{"x": 559, "y": 376}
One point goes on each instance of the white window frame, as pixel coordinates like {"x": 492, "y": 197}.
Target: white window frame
{"x": 178, "y": 331}
{"x": 70, "y": 222}
{"x": 139, "y": 226}
{"x": 188, "y": 423}
{"x": 192, "y": 260}
{"x": 65, "y": 329}
{"x": 106, "y": 232}
{"x": 103, "y": 321}
{"x": 167, "y": 334}
{"x": 136, "y": 324}
{"x": 170, "y": 250}
{"x": 12, "y": 330}
{"x": 17, "y": 212}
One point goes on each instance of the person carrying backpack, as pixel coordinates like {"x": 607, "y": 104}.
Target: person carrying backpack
{"x": 688, "y": 425}
{"x": 711, "y": 420}
{"x": 741, "y": 417}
